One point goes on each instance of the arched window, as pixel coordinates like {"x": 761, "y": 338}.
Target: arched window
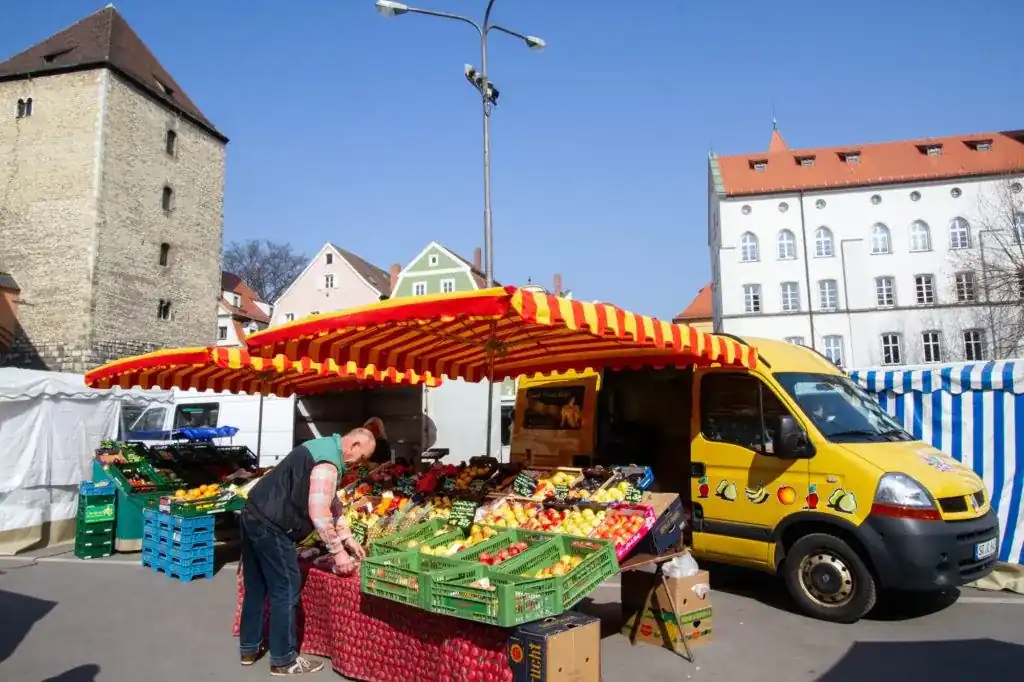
{"x": 165, "y": 254}
{"x": 787, "y": 245}
{"x": 880, "y": 239}
{"x": 959, "y": 234}
{"x": 823, "y": 244}
{"x": 920, "y": 236}
{"x": 748, "y": 248}
{"x": 171, "y": 143}
{"x": 167, "y": 200}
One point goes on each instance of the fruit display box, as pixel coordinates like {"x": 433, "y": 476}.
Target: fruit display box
{"x": 398, "y": 542}
{"x": 638, "y": 477}
{"x": 576, "y": 566}
{"x": 407, "y": 577}
{"x": 217, "y": 504}
{"x": 89, "y": 488}
{"x": 495, "y": 598}
{"x": 134, "y": 478}
{"x": 626, "y": 537}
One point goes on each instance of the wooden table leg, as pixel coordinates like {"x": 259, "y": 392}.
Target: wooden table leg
{"x": 672, "y": 604}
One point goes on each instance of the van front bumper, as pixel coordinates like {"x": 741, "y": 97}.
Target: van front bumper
{"x": 915, "y": 555}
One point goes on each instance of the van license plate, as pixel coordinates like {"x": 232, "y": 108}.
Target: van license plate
{"x": 984, "y": 550}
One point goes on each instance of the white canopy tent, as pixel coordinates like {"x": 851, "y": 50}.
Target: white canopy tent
{"x": 50, "y": 426}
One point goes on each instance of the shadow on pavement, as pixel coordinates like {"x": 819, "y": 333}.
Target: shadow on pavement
{"x": 936, "y": 661}
{"x": 83, "y": 673}
{"x": 610, "y": 614}
{"x": 20, "y": 614}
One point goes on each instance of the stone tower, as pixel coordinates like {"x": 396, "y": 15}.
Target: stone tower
{"x": 111, "y": 200}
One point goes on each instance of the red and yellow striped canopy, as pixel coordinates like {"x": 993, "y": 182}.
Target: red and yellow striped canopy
{"x": 525, "y": 332}
{"x": 236, "y": 371}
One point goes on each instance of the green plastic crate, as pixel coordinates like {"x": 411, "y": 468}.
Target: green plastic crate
{"x": 407, "y": 577}
{"x": 93, "y": 510}
{"x": 94, "y": 530}
{"x": 599, "y": 564}
{"x": 504, "y": 539}
{"x": 397, "y": 542}
{"x": 93, "y": 548}
{"x": 512, "y": 601}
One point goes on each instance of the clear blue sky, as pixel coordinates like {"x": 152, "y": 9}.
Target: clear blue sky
{"x": 348, "y": 127}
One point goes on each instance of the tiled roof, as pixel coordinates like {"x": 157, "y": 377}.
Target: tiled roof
{"x": 784, "y": 170}
{"x": 378, "y": 279}
{"x": 699, "y": 309}
{"x": 7, "y": 282}
{"x": 104, "y": 39}
{"x": 248, "y": 298}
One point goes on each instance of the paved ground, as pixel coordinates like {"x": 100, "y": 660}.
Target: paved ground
{"x": 65, "y": 620}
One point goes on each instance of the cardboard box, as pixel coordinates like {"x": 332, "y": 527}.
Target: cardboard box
{"x": 565, "y": 648}
{"x": 693, "y": 619}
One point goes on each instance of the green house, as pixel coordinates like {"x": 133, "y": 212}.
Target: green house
{"x": 439, "y": 270}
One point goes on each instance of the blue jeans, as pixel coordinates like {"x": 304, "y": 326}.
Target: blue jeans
{"x": 270, "y": 570}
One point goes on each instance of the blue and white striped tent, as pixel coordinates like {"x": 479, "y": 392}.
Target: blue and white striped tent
{"x": 974, "y": 413}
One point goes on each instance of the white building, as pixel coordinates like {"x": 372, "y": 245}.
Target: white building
{"x": 874, "y": 254}
{"x": 240, "y": 311}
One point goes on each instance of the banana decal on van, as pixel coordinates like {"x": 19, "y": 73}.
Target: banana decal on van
{"x": 757, "y": 495}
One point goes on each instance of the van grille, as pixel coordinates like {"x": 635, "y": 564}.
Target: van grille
{"x": 953, "y": 505}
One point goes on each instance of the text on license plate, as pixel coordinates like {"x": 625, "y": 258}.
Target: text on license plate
{"x": 984, "y": 550}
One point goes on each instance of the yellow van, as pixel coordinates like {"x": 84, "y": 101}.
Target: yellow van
{"x": 791, "y": 469}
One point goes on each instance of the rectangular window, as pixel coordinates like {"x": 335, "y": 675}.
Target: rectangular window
{"x": 167, "y": 199}
{"x": 924, "y": 285}
{"x": 735, "y": 408}
{"x": 328, "y": 281}
{"x": 171, "y": 143}
{"x": 222, "y": 333}
{"x": 974, "y": 344}
{"x": 419, "y": 289}
{"x": 965, "y": 287}
{"x": 932, "y": 344}
{"x": 795, "y": 340}
{"x": 828, "y": 294}
{"x": 24, "y": 107}
{"x": 447, "y": 286}
{"x": 752, "y": 298}
{"x": 192, "y": 416}
{"x": 289, "y": 317}
{"x": 885, "y": 292}
{"x": 834, "y": 349}
{"x": 892, "y": 349}
{"x": 328, "y": 258}
{"x": 790, "y": 297}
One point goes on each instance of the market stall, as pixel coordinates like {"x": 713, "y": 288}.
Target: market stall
{"x": 500, "y": 545}
{"x": 193, "y": 475}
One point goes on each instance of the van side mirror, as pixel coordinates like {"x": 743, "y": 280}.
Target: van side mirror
{"x": 791, "y": 441}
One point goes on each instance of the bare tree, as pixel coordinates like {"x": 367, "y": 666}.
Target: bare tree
{"x": 268, "y": 267}
{"x": 996, "y": 267}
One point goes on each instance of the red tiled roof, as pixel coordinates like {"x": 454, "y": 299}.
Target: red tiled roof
{"x": 783, "y": 170}
{"x": 247, "y": 309}
{"x": 104, "y": 39}
{"x": 699, "y": 309}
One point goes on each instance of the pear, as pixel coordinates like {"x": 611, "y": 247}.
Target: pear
{"x": 729, "y": 493}
{"x": 837, "y": 494}
{"x": 847, "y": 503}
{"x": 720, "y": 488}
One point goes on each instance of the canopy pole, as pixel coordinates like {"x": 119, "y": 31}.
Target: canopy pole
{"x": 490, "y": 390}
{"x": 259, "y": 431}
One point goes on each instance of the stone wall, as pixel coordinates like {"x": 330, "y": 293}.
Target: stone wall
{"x": 60, "y": 357}
{"x": 129, "y": 280}
{"x": 48, "y": 202}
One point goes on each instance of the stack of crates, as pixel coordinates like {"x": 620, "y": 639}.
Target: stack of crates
{"x": 94, "y": 523}
{"x": 181, "y": 547}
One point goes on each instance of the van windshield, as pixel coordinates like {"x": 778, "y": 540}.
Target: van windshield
{"x": 840, "y": 409}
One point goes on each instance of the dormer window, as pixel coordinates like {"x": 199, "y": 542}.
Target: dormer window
{"x": 759, "y": 165}
{"x": 930, "y": 149}
{"x": 980, "y": 145}
{"x": 25, "y": 107}
{"x": 805, "y": 161}
{"x": 164, "y": 88}
{"x": 852, "y": 158}
{"x": 236, "y": 300}
{"x": 54, "y": 56}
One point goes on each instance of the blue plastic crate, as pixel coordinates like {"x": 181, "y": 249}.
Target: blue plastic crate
{"x": 154, "y": 561}
{"x": 188, "y": 573}
{"x": 187, "y": 553}
{"x": 183, "y": 524}
{"x": 89, "y": 488}
{"x": 193, "y": 536}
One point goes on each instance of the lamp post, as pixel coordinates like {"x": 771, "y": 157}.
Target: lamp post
{"x": 488, "y": 95}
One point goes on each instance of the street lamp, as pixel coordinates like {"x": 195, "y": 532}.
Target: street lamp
{"x": 489, "y": 99}
{"x": 488, "y": 95}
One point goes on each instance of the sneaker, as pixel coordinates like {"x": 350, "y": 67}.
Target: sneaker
{"x": 301, "y": 666}
{"x": 249, "y": 659}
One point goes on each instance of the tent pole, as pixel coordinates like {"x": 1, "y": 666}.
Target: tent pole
{"x": 490, "y": 390}
{"x": 259, "y": 432}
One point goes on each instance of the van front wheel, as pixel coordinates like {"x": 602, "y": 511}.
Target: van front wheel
{"x": 828, "y": 579}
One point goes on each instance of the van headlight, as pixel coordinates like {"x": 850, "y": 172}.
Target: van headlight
{"x": 901, "y": 496}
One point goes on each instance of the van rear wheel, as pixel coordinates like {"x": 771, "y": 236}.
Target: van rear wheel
{"x": 828, "y": 580}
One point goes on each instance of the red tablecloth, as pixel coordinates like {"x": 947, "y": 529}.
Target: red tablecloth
{"x": 377, "y": 640}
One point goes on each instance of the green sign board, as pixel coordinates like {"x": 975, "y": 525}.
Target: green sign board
{"x": 359, "y": 531}
{"x": 561, "y": 493}
{"x": 406, "y": 485}
{"x": 463, "y": 514}
{"x": 634, "y": 495}
{"x": 523, "y": 485}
